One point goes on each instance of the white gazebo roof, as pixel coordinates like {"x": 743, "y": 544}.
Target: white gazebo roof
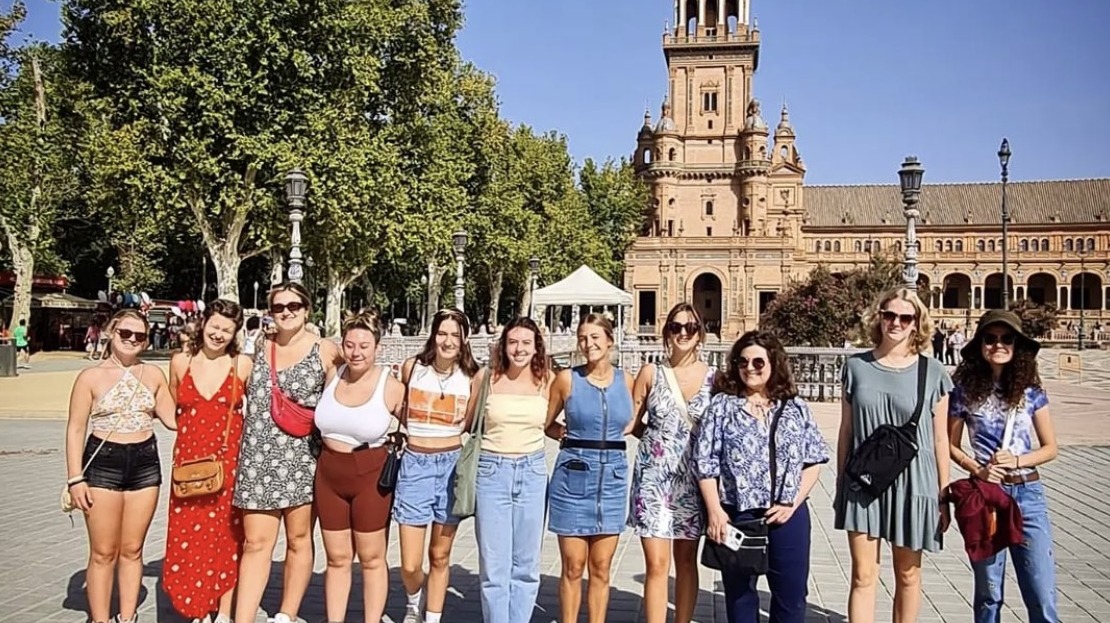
{"x": 582, "y": 287}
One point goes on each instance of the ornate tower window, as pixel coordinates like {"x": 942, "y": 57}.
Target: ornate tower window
{"x": 709, "y": 101}
{"x": 709, "y": 208}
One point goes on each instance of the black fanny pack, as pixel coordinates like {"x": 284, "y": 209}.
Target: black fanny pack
{"x": 889, "y": 450}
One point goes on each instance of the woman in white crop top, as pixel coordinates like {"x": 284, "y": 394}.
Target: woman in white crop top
{"x": 440, "y": 382}
{"x": 512, "y": 474}
{"x": 355, "y": 415}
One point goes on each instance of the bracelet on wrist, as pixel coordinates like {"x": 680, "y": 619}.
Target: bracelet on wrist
{"x": 76, "y": 480}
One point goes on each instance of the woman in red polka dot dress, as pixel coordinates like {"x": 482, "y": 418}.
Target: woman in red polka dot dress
{"x": 205, "y": 534}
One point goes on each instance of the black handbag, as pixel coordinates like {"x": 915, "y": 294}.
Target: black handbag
{"x": 751, "y": 558}
{"x": 387, "y": 481}
{"x": 890, "y": 449}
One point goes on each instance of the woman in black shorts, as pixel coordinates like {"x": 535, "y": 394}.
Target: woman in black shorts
{"x": 114, "y": 475}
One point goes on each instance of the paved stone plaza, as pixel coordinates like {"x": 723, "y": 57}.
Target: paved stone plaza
{"x": 41, "y": 572}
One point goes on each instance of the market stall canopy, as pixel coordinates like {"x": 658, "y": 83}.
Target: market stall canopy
{"x": 56, "y": 300}
{"x": 582, "y": 287}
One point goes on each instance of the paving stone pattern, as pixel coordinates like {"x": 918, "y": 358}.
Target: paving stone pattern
{"x": 42, "y": 576}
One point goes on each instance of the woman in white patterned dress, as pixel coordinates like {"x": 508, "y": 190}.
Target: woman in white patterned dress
{"x": 666, "y": 507}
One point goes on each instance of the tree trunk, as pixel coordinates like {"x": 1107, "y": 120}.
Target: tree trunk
{"x": 435, "y": 279}
{"x": 226, "y": 259}
{"x": 337, "y": 284}
{"x": 496, "y": 283}
{"x": 224, "y": 245}
{"x": 23, "y": 260}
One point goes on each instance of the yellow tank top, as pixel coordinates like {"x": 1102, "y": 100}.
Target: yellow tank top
{"x": 514, "y": 423}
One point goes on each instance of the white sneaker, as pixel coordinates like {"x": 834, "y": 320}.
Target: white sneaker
{"x": 414, "y": 613}
{"x": 281, "y": 617}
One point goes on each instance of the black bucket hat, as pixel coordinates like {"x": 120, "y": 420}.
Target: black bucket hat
{"x": 1002, "y": 317}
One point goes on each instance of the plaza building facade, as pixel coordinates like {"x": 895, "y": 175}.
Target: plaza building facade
{"x": 731, "y": 222}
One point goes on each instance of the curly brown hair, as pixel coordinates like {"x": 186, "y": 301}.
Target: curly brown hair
{"x": 539, "y": 359}
{"x": 781, "y": 384}
{"x": 974, "y": 376}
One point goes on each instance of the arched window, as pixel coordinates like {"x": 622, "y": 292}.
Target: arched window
{"x": 1069, "y": 245}
{"x": 1044, "y": 244}
{"x": 859, "y": 246}
{"x": 878, "y": 246}
{"x": 990, "y": 245}
{"x": 940, "y": 245}
{"x": 1090, "y": 244}
{"x": 709, "y": 208}
{"x": 817, "y": 246}
{"x": 671, "y": 154}
{"x": 828, "y": 246}
{"x": 1024, "y": 244}
{"x": 959, "y": 246}
{"x": 647, "y": 156}
{"x": 867, "y": 246}
{"x": 981, "y": 245}
{"x": 1036, "y": 245}
{"x": 836, "y": 246}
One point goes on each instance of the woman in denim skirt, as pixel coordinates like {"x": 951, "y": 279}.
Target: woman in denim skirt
{"x": 998, "y": 388}
{"x": 589, "y": 485}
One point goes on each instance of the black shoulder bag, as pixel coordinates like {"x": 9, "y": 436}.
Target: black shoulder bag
{"x": 751, "y": 557}
{"x": 888, "y": 451}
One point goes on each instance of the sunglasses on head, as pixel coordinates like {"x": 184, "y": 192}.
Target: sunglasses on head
{"x": 279, "y": 308}
{"x": 128, "y": 334}
{"x": 675, "y": 328}
{"x": 904, "y": 319}
{"x": 758, "y": 363}
{"x": 990, "y": 339}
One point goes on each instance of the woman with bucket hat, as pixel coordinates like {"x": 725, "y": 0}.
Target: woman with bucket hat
{"x": 998, "y": 398}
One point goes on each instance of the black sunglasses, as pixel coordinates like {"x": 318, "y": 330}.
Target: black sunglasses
{"x": 674, "y": 328}
{"x": 990, "y": 339}
{"x": 128, "y": 334}
{"x": 758, "y": 363}
{"x": 890, "y": 316}
{"x": 279, "y": 308}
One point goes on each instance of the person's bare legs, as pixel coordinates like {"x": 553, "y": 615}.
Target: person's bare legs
{"x": 337, "y": 576}
{"x": 439, "y": 565}
{"x": 602, "y": 549}
{"x": 573, "y": 551}
{"x": 104, "y": 523}
{"x": 412, "y": 557}
{"x": 371, "y": 548}
{"x": 657, "y": 563}
{"x": 299, "y": 554}
{"x": 226, "y": 601}
{"x": 685, "y": 579}
{"x": 138, "y": 511}
{"x": 865, "y": 577}
{"x": 907, "y": 584}
{"x": 260, "y": 529}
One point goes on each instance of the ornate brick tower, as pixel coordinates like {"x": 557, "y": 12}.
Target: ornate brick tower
{"x": 725, "y": 224}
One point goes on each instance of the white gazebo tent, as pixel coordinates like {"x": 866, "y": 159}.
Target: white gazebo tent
{"x": 583, "y": 287}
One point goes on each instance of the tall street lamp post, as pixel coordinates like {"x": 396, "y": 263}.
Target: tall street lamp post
{"x": 1082, "y": 290}
{"x": 910, "y": 178}
{"x": 110, "y": 274}
{"x": 424, "y": 281}
{"x": 1004, "y": 160}
{"x": 255, "y": 295}
{"x": 295, "y": 186}
{"x": 458, "y": 240}
{"x": 534, "y": 268}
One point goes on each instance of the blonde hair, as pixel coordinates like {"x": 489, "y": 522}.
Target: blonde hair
{"x": 921, "y": 341}
{"x": 365, "y": 319}
{"x": 598, "y": 320}
{"x": 119, "y": 317}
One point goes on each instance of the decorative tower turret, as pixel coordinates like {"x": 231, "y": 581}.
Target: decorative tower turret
{"x": 754, "y": 167}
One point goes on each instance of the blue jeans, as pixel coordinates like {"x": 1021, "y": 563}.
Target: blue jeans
{"x": 509, "y": 528}
{"x": 425, "y": 488}
{"x": 1034, "y": 563}
{"x": 788, "y": 575}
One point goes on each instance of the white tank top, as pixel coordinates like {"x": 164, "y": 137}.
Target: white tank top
{"x": 367, "y": 423}
{"x": 435, "y": 402}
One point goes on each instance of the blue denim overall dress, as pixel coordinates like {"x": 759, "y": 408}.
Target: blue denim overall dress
{"x": 589, "y": 485}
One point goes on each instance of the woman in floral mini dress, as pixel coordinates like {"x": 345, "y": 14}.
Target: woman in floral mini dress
{"x": 666, "y": 507}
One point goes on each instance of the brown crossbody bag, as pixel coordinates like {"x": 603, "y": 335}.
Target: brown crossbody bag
{"x": 205, "y": 476}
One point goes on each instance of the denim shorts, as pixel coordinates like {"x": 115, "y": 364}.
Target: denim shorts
{"x": 123, "y": 466}
{"x": 426, "y": 488}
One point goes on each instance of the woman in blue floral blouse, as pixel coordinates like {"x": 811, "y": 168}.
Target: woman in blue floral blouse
{"x": 731, "y": 459}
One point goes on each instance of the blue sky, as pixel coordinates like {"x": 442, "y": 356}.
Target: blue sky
{"x": 867, "y": 81}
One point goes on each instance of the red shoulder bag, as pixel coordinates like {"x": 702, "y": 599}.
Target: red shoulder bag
{"x": 293, "y": 418}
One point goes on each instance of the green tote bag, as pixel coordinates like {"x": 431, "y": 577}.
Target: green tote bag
{"x": 466, "y": 469}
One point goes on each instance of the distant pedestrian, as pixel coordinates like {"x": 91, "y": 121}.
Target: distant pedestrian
{"x": 22, "y": 345}
{"x": 1000, "y": 401}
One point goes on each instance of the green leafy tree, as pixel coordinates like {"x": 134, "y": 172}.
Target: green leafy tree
{"x": 1037, "y": 319}
{"x": 617, "y": 200}
{"x": 37, "y": 132}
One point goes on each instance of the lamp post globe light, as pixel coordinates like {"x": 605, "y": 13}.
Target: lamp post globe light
{"x": 534, "y": 270}
{"x": 909, "y": 176}
{"x": 296, "y": 184}
{"x": 458, "y": 241}
{"x": 255, "y": 295}
{"x": 110, "y": 274}
{"x": 1004, "y": 160}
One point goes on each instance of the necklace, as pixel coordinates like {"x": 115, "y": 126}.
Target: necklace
{"x": 442, "y": 378}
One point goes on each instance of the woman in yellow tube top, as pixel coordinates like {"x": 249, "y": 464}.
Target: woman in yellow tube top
{"x": 114, "y": 475}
